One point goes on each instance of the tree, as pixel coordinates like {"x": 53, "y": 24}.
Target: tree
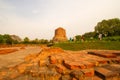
{"x": 7, "y": 39}
{"x": 89, "y": 35}
{"x": 78, "y": 37}
{"x": 109, "y": 27}
{"x": 43, "y": 41}
{"x": 1, "y": 38}
{"x": 35, "y": 41}
{"x": 26, "y": 40}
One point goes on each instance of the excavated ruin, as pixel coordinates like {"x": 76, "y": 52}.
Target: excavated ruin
{"x": 57, "y": 64}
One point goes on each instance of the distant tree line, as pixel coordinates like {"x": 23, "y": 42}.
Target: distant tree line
{"x": 6, "y": 39}
{"x": 108, "y": 28}
{"x": 35, "y": 41}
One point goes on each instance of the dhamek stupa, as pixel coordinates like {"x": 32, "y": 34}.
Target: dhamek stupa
{"x": 60, "y": 35}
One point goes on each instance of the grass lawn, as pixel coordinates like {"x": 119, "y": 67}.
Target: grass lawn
{"x": 100, "y": 45}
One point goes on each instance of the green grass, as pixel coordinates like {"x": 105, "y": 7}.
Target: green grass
{"x": 99, "y": 45}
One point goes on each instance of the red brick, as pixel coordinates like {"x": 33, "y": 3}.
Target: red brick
{"x": 96, "y": 78}
{"x": 116, "y": 60}
{"x": 60, "y": 68}
{"x": 78, "y": 74}
{"x": 105, "y": 54}
{"x": 116, "y": 65}
{"x": 53, "y": 60}
{"x": 74, "y": 79}
{"x": 105, "y": 73}
{"x": 88, "y": 72}
{"x": 88, "y": 64}
{"x": 74, "y": 65}
{"x": 102, "y": 61}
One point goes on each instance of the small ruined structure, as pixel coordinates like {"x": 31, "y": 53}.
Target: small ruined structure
{"x": 60, "y": 35}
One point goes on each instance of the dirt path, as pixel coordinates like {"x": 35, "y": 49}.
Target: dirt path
{"x": 17, "y": 57}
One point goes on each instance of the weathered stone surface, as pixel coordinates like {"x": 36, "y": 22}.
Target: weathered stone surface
{"x": 60, "y": 35}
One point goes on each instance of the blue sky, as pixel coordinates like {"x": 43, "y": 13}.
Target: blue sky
{"x": 39, "y": 18}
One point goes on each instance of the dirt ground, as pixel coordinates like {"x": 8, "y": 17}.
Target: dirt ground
{"x": 14, "y": 58}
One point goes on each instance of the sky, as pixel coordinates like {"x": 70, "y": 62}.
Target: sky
{"x": 40, "y": 18}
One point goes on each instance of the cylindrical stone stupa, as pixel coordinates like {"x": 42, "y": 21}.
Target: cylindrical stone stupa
{"x": 60, "y": 35}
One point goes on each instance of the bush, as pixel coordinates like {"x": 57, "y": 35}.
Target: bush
{"x": 114, "y": 38}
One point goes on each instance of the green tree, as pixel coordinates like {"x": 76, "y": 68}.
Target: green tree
{"x": 89, "y": 35}
{"x": 36, "y": 41}
{"x": 78, "y": 37}
{"x": 7, "y": 39}
{"x": 43, "y": 41}
{"x": 109, "y": 27}
{"x": 26, "y": 40}
{"x": 1, "y": 39}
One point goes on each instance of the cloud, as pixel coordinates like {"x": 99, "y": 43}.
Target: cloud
{"x": 5, "y": 5}
{"x": 39, "y": 18}
{"x": 11, "y": 22}
{"x": 35, "y": 11}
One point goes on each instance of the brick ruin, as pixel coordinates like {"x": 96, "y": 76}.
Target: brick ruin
{"x": 60, "y": 35}
{"x": 57, "y": 64}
